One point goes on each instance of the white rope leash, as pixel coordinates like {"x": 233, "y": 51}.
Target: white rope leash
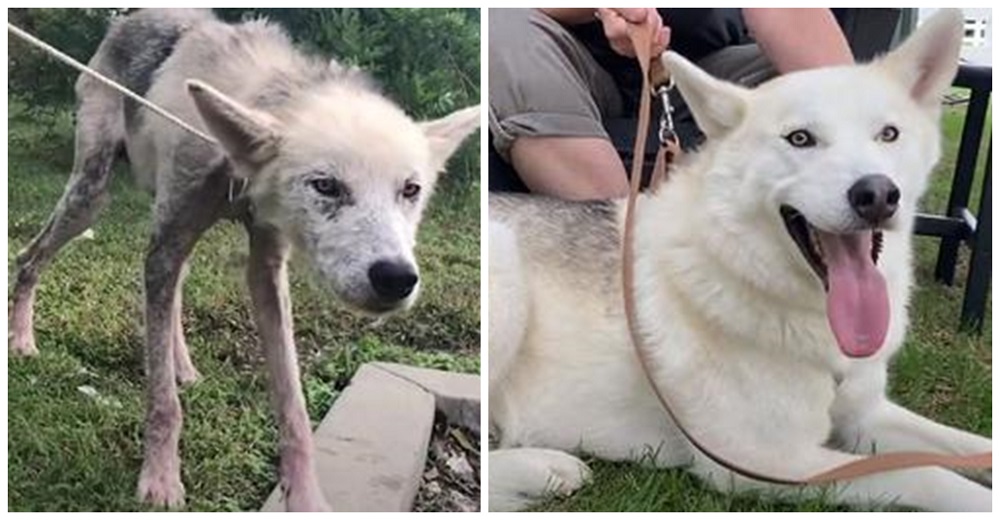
{"x": 56, "y": 53}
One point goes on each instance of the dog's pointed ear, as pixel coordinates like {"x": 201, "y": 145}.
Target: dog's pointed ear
{"x": 927, "y": 61}
{"x": 717, "y": 106}
{"x": 446, "y": 134}
{"x": 249, "y": 136}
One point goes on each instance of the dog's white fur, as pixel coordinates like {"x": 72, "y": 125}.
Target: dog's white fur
{"x": 733, "y": 312}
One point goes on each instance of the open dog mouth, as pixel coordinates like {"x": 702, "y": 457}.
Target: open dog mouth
{"x": 807, "y": 238}
{"x": 857, "y": 303}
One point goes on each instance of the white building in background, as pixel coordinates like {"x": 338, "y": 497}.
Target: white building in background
{"x": 977, "y": 44}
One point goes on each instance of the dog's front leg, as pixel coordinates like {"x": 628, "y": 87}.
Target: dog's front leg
{"x": 884, "y": 426}
{"x": 932, "y": 489}
{"x": 267, "y": 276}
{"x": 160, "y": 478}
{"x": 866, "y": 421}
{"x": 181, "y": 215}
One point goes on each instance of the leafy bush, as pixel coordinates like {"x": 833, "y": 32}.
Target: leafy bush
{"x": 38, "y": 130}
{"x": 42, "y": 80}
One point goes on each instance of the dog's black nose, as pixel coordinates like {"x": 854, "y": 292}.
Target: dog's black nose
{"x": 392, "y": 280}
{"x": 874, "y": 198}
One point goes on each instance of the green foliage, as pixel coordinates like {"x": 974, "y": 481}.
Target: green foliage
{"x": 426, "y": 59}
{"x": 43, "y": 129}
{"x": 38, "y": 77}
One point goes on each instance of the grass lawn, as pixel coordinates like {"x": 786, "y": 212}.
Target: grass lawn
{"x": 941, "y": 373}
{"x": 75, "y": 412}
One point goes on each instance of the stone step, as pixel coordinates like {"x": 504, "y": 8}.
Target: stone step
{"x": 371, "y": 447}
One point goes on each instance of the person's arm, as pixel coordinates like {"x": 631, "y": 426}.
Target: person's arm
{"x": 567, "y": 16}
{"x": 795, "y": 39}
{"x": 615, "y": 22}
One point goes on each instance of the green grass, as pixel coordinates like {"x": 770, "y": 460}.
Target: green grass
{"x": 941, "y": 373}
{"x": 70, "y": 451}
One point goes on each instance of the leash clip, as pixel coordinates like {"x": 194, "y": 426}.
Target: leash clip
{"x": 667, "y": 132}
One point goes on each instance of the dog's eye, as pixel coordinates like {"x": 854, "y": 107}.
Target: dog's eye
{"x": 888, "y": 134}
{"x": 327, "y": 187}
{"x": 411, "y": 190}
{"x": 801, "y": 139}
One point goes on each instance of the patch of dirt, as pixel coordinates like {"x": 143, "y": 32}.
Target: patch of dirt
{"x": 451, "y": 475}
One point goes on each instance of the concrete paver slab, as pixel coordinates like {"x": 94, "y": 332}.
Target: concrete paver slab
{"x": 456, "y": 395}
{"x": 372, "y": 446}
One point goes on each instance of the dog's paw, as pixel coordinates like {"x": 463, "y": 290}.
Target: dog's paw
{"x": 521, "y": 477}
{"x": 21, "y": 342}
{"x": 305, "y": 497}
{"x": 564, "y": 474}
{"x": 161, "y": 487}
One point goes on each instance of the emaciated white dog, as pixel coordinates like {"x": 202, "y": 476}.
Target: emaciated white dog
{"x": 330, "y": 166}
{"x": 773, "y": 272}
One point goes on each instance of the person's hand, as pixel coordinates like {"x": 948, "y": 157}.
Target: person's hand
{"x": 616, "y": 21}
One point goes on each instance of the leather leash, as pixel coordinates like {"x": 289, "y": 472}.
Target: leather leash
{"x": 653, "y": 73}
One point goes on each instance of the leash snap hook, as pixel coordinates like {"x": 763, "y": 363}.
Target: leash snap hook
{"x": 667, "y": 132}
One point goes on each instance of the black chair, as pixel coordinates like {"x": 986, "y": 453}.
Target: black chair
{"x": 959, "y": 225}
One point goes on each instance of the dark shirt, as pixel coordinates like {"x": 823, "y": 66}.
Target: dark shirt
{"x": 694, "y": 34}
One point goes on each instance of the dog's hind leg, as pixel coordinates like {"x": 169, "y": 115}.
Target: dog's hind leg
{"x": 99, "y": 134}
{"x": 184, "y": 368}
{"x": 267, "y": 276}
{"x": 521, "y": 477}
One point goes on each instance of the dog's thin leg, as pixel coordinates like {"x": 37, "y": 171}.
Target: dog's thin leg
{"x": 186, "y": 372}
{"x": 268, "y": 279}
{"x": 160, "y": 479}
{"x": 98, "y": 135}
{"x": 181, "y": 219}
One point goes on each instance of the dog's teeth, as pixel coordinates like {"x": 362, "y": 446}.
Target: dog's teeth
{"x": 876, "y": 245}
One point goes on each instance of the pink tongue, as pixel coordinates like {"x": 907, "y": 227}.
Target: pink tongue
{"x": 857, "y": 304}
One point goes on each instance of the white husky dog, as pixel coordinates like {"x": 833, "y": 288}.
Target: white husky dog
{"x": 773, "y": 272}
